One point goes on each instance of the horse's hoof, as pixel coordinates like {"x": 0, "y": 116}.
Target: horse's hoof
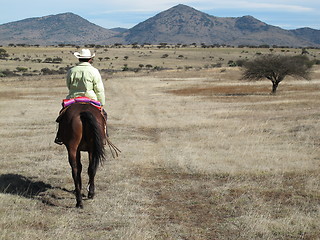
{"x": 90, "y": 195}
{"x": 58, "y": 141}
{"x": 79, "y": 205}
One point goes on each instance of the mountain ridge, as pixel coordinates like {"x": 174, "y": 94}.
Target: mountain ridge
{"x": 183, "y": 24}
{"x": 53, "y": 29}
{"x": 179, "y": 24}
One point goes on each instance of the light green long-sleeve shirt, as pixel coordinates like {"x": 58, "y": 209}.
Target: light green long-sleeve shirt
{"x": 84, "y": 80}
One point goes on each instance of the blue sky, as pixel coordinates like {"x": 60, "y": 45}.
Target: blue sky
{"x": 287, "y": 14}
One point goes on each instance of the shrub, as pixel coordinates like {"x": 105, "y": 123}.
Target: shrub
{"x": 317, "y": 62}
{"x": 3, "y": 53}
{"x": 240, "y": 62}
{"x": 231, "y": 63}
{"x": 57, "y": 60}
{"x": 217, "y": 65}
{"x": 48, "y": 60}
{"x": 22, "y": 69}
{"x": 47, "y": 71}
{"x": 125, "y": 67}
{"x": 7, "y": 73}
{"x": 148, "y": 66}
{"x": 157, "y": 68}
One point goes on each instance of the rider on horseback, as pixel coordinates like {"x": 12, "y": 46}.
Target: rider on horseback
{"x": 84, "y": 80}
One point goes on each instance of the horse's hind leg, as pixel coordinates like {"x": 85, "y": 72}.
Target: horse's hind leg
{"x": 92, "y": 169}
{"x": 74, "y": 160}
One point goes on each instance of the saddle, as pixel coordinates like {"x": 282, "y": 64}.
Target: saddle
{"x": 66, "y": 103}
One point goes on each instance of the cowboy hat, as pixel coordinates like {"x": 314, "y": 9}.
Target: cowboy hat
{"x": 85, "y": 54}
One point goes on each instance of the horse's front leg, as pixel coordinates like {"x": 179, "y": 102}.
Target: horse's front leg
{"x": 74, "y": 160}
{"x": 92, "y": 169}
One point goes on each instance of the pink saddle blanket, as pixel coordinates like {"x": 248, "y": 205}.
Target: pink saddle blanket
{"x": 68, "y": 102}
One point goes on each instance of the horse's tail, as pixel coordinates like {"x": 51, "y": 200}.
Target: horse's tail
{"x": 96, "y": 133}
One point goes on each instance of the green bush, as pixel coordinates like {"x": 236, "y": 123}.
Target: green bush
{"x": 57, "y": 60}
{"x": 7, "y": 73}
{"x": 47, "y": 71}
{"x": 22, "y": 69}
{"x": 3, "y": 53}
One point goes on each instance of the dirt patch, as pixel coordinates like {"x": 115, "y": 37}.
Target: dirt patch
{"x": 241, "y": 90}
{"x": 235, "y": 90}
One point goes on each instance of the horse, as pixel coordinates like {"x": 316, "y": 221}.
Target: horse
{"x": 82, "y": 128}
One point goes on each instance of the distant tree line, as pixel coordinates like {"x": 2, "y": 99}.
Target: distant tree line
{"x": 4, "y": 55}
{"x": 159, "y": 45}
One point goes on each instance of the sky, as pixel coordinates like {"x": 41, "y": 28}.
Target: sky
{"x": 287, "y": 14}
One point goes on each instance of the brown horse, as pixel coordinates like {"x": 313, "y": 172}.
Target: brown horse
{"x": 82, "y": 128}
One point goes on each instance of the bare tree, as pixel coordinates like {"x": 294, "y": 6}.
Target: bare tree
{"x": 276, "y": 68}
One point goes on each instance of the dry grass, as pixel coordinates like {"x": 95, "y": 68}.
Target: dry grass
{"x": 204, "y": 156}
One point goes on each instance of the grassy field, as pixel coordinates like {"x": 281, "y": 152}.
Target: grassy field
{"x": 204, "y": 155}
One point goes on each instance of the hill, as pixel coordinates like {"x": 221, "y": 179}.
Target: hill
{"x": 309, "y": 34}
{"x": 119, "y": 30}
{"x": 53, "y": 29}
{"x": 179, "y": 24}
{"x": 183, "y": 24}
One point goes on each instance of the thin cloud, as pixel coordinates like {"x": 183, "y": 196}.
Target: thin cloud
{"x": 275, "y": 6}
{"x": 252, "y": 6}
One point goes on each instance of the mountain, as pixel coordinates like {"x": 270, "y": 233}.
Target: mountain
{"x": 179, "y": 24}
{"x": 308, "y": 33}
{"x": 119, "y": 29}
{"x": 54, "y": 29}
{"x": 183, "y": 24}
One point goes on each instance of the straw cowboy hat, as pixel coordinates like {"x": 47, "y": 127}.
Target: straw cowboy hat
{"x": 84, "y": 54}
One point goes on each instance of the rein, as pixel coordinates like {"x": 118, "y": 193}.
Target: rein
{"x": 113, "y": 149}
